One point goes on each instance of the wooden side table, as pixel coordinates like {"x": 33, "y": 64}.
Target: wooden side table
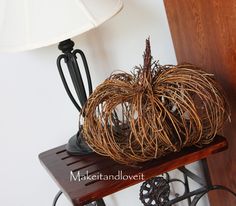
{"x": 70, "y": 173}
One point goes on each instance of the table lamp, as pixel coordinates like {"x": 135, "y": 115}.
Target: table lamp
{"x": 27, "y": 25}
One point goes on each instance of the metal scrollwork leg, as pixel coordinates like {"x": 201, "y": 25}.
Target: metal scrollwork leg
{"x": 187, "y": 190}
{"x": 56, "y": 198}
{"x": 99, "y": 202}
{"x": 155, "y": 192}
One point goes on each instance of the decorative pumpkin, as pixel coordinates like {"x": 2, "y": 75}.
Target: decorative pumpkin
{"x": 153, "y": 111}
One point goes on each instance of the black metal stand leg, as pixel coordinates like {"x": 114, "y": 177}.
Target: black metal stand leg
{"x": 56, "y": 198}
{"x": 100, "y": 202}
{"x": 207, "y": 176}
{"x": 187, "y": 188}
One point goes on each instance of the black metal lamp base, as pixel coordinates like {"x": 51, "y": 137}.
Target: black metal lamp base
{"x": 77, "y": 146}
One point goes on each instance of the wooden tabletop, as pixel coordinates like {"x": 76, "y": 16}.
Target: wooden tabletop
{"x": 67, "y": 170}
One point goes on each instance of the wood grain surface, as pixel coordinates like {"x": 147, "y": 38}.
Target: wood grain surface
{"x": 60, "y": 164}
{"x": 204, "y": 33}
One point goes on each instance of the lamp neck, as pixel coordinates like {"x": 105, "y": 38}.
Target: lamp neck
{"x": 70, "y": 59}
{"x": 66, "y": 46}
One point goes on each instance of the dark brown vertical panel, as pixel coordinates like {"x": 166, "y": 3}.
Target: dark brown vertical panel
{"x": 204, "y": 33}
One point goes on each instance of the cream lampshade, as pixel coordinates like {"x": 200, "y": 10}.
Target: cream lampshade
{"x": 31, "y": 24}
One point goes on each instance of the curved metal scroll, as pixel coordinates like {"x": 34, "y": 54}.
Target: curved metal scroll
{"x": 70, "y": 59}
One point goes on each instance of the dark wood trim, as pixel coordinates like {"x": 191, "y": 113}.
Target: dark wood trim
{"x": 204, "y": 33}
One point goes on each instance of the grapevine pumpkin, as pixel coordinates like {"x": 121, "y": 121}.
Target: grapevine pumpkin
{"x": 153, "y": 111}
